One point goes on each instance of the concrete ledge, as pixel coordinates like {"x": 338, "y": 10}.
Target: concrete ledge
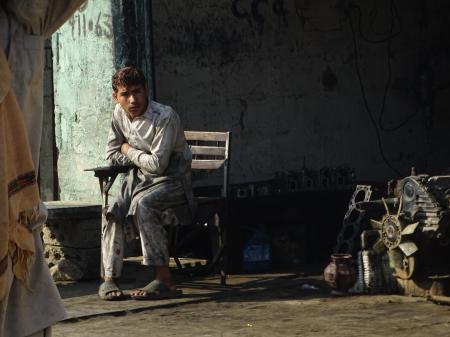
{"x": 72, "y": 209}
{"x": 72, "y": 236}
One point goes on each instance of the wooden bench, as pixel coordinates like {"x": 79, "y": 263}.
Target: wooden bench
{"x": 211, "y": 155}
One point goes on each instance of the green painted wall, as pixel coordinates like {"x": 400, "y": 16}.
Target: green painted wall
{"x": 102, "y": 36}
{"x": 83, "y": 64}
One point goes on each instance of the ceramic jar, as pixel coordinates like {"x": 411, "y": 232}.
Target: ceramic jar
{"x": 340, "y": 274}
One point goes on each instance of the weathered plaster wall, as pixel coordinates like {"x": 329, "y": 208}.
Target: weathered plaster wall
{"x": 83, "y": 64}
{"x": 281, "y": 75}
{"x": 101, "y": 37}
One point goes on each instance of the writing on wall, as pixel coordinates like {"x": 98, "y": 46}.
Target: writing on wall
{"x": 84, "y": 24}
{"x": 253, "y": 9}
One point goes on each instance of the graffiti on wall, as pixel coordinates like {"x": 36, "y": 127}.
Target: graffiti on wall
{"x": 84, "y": 23}
{"x": 252, "y": 10}
{"x": 258, "y": 12}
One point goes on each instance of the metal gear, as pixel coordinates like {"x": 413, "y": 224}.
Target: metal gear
{"x": 391, "y": 231}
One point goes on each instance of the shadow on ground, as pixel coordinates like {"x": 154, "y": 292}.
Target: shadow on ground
{"x": 81, "y": 300}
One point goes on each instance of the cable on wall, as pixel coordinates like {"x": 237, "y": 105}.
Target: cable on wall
{"x": 364, "y": 97}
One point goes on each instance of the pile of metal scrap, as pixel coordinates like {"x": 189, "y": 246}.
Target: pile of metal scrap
{"x": 294, "y": 181}
{"x": 405, "y": 235}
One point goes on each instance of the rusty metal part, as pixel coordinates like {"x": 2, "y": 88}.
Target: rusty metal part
{"x": 352, "y": 224}
{"x": 406, "y": 269}
{"x": 391, "y": 232}
{"x": 415, "y": 228}
{"x": 410, "y": 230}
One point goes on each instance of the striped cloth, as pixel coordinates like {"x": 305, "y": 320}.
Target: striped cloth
{"x": 19, "y": 196}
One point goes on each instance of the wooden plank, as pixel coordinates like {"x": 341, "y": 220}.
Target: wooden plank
{"x": 208, "y": 150}
{"x": 206, "y": 136}
{"x": 198, "y": 164}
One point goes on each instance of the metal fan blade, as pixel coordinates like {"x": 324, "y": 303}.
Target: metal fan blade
{"x": 386, "y": 206}
{"x": 410, "y": 229}
{"x": 379, "y": 247}
{"x": 376, "y": 224}
{"x": 399, "y": 207}
{"x": 395, "y": 258}
{"x": 408, "y": 248}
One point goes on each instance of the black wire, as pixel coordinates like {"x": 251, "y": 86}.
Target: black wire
{"x": 366, "y": 103}
{"x": 402, "y": 124}
{"x": 394, "y": 15}
{"x": 388, "y": 82}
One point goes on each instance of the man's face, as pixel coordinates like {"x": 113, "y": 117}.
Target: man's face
{"x": 132, "y": 98}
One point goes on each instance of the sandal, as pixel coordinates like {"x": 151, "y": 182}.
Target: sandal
{"x": 157, "y": 290}
{"x": 107, "y": 288}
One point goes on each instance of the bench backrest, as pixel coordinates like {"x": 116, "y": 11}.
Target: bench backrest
{"x": 211, "y": 151}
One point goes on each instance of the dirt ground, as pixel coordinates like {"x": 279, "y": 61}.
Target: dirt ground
{"x": 257, "y": 305}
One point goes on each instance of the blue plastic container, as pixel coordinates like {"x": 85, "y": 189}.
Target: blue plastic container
{"x": 257, "y": 253}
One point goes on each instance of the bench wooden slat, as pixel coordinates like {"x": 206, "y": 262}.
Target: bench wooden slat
{"x": 208, "y": 150}
{"x": 206, "y": 136}
{"x": 198, "y": 164}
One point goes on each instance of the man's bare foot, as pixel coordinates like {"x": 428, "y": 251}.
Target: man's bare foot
{"x": 156, "y": 289}
{"x": 109, "y": 291}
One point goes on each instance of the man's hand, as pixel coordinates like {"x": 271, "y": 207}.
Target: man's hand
{"x": 124, "y": 148}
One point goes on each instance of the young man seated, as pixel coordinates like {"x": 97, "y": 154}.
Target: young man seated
{"x": 150, "y": 136}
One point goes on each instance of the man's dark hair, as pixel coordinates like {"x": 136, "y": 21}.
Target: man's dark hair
{"x": 127, "y": 76}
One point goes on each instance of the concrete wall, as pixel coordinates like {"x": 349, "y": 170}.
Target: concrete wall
{"x": 102, "y": 35}
{"x": 281, "y": 75}
{"x": 83, "y": 64}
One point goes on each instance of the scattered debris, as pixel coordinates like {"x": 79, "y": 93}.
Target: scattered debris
{"x": 307, "y": 286}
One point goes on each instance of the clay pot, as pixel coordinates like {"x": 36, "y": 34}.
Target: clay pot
{"x": 340, "y": 274}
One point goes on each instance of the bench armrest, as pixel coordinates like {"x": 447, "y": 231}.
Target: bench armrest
{"x": 108, "y": 171}
{"x": 106, "y": 176}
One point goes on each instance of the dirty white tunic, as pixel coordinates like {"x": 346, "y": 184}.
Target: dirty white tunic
{"x": 22, "y": 33}
{"x": 154, "y": 137}
{"x": 161, "y": 181}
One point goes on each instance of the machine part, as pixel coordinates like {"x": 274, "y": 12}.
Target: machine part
{"x": 395, "y": 236}
{"x": 371, "y": 271}
{"x": 404, "y": 266}
{"x": 391, "y": 235}
{"x": 374, "y": 274}
{"x": 387, "y": 272}
{"x": 406, "y": 241}
{"x": 425, "y": 198}
{"x": 391, "y": 232}
{"x": 361, "y": 193}
{"x": 416, "y": 235}
{"x": 359, "y": 287}
{"x": 369, "y": 238}
{"x": 350, "y": 230}
{"x": 352, "y": 224}
{"x": 408, "y": 248}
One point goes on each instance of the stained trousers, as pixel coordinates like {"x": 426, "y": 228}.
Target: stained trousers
{"x": 153, "y": 213}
